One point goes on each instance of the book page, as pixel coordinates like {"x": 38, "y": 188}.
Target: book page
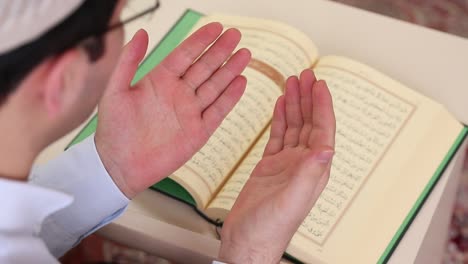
{"x": 205, "y": 172}
{"x": 224, "y": 200}
{"x": 277, "y": 52}
{"x": 368, "y": 120}
{"x": 389, "y": 142}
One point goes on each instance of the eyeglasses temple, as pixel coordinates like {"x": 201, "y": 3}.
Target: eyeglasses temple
{"x": 147, "y": 11}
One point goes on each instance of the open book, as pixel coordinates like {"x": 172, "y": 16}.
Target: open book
{"x": 392, "y": 144}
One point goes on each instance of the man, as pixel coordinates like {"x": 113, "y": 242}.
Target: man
{"x": 59, "y": 57}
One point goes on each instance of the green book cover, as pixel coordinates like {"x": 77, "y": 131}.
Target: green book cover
{"x": 171, "y": 188}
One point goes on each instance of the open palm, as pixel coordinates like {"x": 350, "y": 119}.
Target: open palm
{"x": 148, "y": 131}
{"x": 288, "y": 180}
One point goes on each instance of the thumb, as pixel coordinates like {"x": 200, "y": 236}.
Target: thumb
{"x": 308, "y": 182}
{"x": 132, "y": 54}
{"x": 314, "y": 170}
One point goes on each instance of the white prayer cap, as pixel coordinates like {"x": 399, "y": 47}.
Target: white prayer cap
{"x": 22, "y": 21}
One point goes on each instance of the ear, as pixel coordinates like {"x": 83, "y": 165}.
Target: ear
{"x": 66, "y": 77}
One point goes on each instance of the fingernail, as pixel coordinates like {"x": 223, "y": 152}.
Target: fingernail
{"x": 325, "y": 156}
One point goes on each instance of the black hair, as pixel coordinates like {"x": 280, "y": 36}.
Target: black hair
{"x": 87, "y": 24}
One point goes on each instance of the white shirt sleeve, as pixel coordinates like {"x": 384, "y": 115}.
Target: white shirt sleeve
{"x": 97, "y": 201}
{"x": 23, "y": 208}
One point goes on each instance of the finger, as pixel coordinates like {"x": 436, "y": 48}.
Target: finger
{"x": 323, "y": 117}
{"x": 216, "y": 112}
{"x": 212, "y": 59}
{"x": 306, "y": 82}
{"x": 214, "y": 86}
{"x": 179, "y": 60}
{"x": 293, "y": 112}
{"x": 129, "y": 60}
{"x": 278, "y": 128}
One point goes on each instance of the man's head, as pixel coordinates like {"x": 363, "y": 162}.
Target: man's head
{"x": 52, "y": 76}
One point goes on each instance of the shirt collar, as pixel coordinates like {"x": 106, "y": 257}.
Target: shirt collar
{"x": 24, "y": 207}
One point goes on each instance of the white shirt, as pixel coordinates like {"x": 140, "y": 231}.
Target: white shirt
{"x": 64, "y": 201}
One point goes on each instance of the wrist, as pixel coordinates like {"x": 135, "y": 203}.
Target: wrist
{"x": 236, "y": 253}
{"x": 114, "y": 170}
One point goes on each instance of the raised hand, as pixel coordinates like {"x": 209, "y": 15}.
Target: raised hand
{"x": 148, "y": 131}
{"x": 288, "y": 180}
